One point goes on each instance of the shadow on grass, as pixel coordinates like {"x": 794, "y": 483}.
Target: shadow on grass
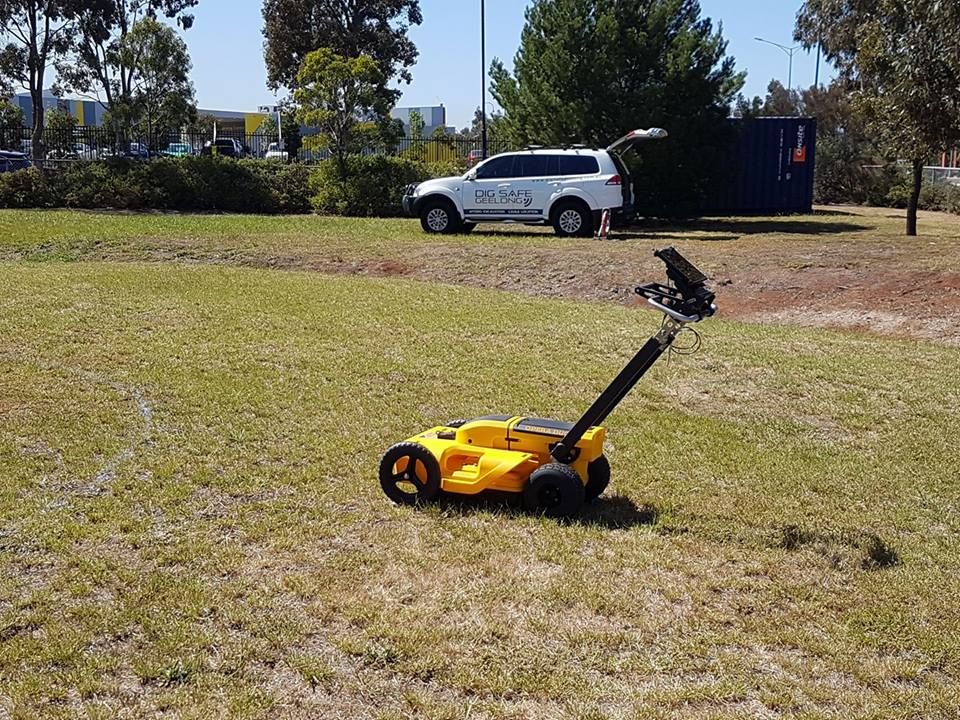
{"x": 612, "y": 513}
{"x": 737, "y": 227}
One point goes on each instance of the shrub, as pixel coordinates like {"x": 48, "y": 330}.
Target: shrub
{"x": 939, "y": 197}
{"x": 373, "y": 187}
{"x": 190, "y": 183}
{"x": 26, "y": 189}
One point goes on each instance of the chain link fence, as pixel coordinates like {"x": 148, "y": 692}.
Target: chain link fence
{"x": 100, "y": 143}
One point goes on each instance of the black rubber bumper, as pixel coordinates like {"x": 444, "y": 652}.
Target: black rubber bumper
{"x": 411, "y": 206}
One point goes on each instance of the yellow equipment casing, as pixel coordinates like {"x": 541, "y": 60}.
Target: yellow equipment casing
{"x": 499, "y": 452}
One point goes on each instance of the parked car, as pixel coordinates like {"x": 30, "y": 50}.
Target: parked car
{"x": 78, "y": 151}
{"x": 227, "y": 147}
{"x": 568, "y": 188}
{"x": 26, "y": 147}
{"x": 12, "y": 161}
{"x": 473, "y": 157}
{"x": 276, "y": 151}
{"x": 138, "y": 151}
{"x": 178, "y": 150}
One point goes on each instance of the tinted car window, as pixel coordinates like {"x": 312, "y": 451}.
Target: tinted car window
{"x": 496, "y": 168}
{"x": 578, "y": 165}
{"x": 533, "y": 166}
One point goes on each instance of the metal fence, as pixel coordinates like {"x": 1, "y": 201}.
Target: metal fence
{"x": 100, "y": 143}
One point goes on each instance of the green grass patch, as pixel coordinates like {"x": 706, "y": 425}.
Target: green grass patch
{"x": 190, "y": 521}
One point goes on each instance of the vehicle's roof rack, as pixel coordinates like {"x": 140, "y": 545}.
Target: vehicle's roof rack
{"x": 565, "y": 146}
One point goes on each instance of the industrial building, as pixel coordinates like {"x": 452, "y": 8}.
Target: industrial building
{"x": 90, "y": 113}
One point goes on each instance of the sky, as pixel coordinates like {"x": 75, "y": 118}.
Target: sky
{"x": 226, "y": 45}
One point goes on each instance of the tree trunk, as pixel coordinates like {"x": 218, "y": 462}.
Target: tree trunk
{"x": 914, "y": 197}
{"x": 36, "y": 138}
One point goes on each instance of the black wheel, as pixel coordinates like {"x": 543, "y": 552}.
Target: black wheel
{"x": 410, "y": 474}
{"x": 554, "y": 490}
{"x": 598, "y": 477}
{"x": 572, "y": 218}
{"x": 439, "y": 216}
{"x": 467, "y": 227}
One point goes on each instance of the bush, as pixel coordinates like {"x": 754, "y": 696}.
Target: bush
{"x": 373, "y": 187}
{"x": 191, "y": 183}
{"x": 940, "y": 197}
{"x": 26, "y": 189}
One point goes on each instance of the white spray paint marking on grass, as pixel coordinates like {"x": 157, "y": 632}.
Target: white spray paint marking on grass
{"x": 108, "y": 470}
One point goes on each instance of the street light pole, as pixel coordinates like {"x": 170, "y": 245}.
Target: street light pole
{"x": 483, "y": 68}
{"x": 790, "y": 52}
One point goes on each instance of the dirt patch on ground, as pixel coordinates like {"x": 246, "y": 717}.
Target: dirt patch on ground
{"x": 858, "y": 274}
{"x": 879, "y": 296}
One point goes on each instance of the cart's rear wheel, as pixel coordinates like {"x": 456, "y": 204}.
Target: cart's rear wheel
{"x": 554, "y": 490}
{"x": 410, "y": 474}
{"x": 598, "y": 477}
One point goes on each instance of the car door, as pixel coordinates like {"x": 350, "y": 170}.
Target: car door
{"x": 486, "y": 192}
{"x": 537, "y": 181}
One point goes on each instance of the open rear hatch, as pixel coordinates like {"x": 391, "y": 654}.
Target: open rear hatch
{"x": 620, "y": 148}
{"x": 627, "y": 142}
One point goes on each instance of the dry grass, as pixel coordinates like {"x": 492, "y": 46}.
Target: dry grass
{"x": 190, "y": 524}
{"x": 849, "y": 268}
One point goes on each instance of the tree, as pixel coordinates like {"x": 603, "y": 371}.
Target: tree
{"x": 904, "y": 60}
{"x": 109, "y": 65}
{"x": 779, "y": 102}
{"x": 161, "y": 97}
{"x": 332, "y": 93}
{"x": 37, "y": 32}
{"x": 374, "y": 28}
{"x": 592, "y": 70}
{"x": 495, "y": 127}
{"x": 202, "y": 125}
{"x": 11, "y": 126}
{"x": 60, "y": 128}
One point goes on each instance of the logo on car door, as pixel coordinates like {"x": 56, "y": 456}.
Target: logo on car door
{"x": 505, "y": 198}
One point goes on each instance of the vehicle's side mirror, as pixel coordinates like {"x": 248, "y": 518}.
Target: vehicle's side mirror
{"x": 471, "y": 176}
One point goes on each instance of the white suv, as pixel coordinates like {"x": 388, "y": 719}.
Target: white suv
{"x": 568, "y": 188}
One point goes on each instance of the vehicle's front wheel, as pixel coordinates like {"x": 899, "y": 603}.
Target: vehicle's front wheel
{"x": 572, "y": 218}
{"x": 439, "y": 216}
{"x": 410, "y": 474}
{"x": 554, "y": 490}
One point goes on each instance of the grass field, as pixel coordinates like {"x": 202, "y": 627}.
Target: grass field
{"x": 190, "y": 523}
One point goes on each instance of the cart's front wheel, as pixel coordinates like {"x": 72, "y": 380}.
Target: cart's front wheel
{"x": 410, "y": 474}
{"x": 554, "y": 490}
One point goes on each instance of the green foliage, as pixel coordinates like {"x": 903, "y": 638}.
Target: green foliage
{"x": 60, "y": 126}
{"x": 11, "y": 126}
{"x": 162, "y": 94}
{"x": 26, "y": 189}
{"x": 417, "y": 124}
{"x": 372, "y": 186}
{"x": 36, "y": 35}
{"x": 136, "y": 66}
{"x": 375, "y": 28}
{"x": 592, "y": 70}
{"x": 188, "y": 183}
{"x": 940, "y": 197}
{"x": 333, "y": 92}
{"x": 905, "y": 61}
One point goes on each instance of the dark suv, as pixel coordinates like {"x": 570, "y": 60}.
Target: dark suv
{"x": 227, "y": 147}
{"x": 13, "y": 161}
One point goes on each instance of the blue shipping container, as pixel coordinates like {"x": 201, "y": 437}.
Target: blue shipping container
{"x": 767, "y": 169}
